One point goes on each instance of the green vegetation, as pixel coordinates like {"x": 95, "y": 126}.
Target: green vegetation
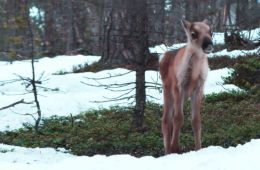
{"x": 246, "y": 74}
{"x": 228, "y": 119}
{"x": 226, "y": 61}
{"x": 81, "y": 68}
{"x": 94, "y": 67}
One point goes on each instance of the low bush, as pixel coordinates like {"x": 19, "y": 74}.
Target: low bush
{"x": 94, "y": 67}
{"x": 246, "y": 74}
{"x": 228, "y": 120}
{"x": 227, "y": 61}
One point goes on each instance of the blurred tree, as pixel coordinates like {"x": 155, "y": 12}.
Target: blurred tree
{"x": 16, "y": 29}
{"x": 126, "y": 42}
{"x": 77, "y": 26}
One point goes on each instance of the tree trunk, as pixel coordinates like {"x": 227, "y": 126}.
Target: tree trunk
{"x": 140, "y": 96}
{"x": 49, "y": 31}
{"x": 177, "y": 12}
{"x": 69, "y": 21}
{"x": 126, "y": 42}
{"x": 33, "y": 79}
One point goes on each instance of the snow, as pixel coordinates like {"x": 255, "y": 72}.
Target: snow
{"x": 16, "y": 154}
{"x": 235, "y": 53}
{"x": 252, "y": 35}
{"x": 163, "y": 48}
{"x": 215, "y": 82}
{"x": 242, "y": 157}
{"x": 218, "y": 38}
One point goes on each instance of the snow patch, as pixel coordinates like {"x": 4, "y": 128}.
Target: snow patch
{"x": 242, "y": 157}
{"x": 235, "y": 53}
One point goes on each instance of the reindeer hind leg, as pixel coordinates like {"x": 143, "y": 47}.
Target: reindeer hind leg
{"x": 177, "y": 120}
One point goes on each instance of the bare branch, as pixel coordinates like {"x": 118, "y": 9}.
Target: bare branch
{"x": 15, "y": 103}
{"x": 121, "y": 90}
{"x": 2, "y": 83}
{"x": 110, "y": 76}
{"x": 153, "y": 83}
{"x": 120, "y": 96}
{"x": 109, "y": 86}
{"x": 118, "y": 99}
{"x": 16, "y": 94}
{"x": 114, "y": 87}
{"x": 25, "y": 114}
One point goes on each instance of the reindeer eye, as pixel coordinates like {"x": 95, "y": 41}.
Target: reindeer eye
{"x": 194, "y": 35}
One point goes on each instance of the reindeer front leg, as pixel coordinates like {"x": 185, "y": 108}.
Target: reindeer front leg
{"x": 196, "y": 100}
{"x": 166, "y": 119}
{"x": 178, "y": 119}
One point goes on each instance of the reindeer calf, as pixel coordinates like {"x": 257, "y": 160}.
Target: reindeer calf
{"x": 183, "y": 74}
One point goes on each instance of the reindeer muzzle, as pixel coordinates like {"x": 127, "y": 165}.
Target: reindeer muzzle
{"x": 207, "y": 45}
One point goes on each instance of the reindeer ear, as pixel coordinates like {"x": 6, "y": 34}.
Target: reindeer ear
{"x": 186, "y": 24}
{"x": 206, "y": 21}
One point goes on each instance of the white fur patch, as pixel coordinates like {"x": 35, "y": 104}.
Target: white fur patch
{"x": 204, "y": 69}
{"x": 200, "y": 67}
{"x": 183, "y": 68}
{"x": 161, "y": 57}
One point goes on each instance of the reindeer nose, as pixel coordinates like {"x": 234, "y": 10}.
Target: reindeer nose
{"x": 207, "y": 45}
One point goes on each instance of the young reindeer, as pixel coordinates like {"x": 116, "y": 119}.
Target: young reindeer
{"x": 183, "y": 74}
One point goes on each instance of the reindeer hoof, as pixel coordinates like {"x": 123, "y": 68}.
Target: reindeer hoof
{"x": 176, "y": 150}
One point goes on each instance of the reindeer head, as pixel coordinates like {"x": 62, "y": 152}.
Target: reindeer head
{"x": 199, "y": 34}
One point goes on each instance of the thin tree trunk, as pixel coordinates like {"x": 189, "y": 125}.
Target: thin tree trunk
{"x": 141, "y": 47}
{"x": 140, "y": 96}
{"x": 69, "y": 21}
{"x": 33, "y": 81}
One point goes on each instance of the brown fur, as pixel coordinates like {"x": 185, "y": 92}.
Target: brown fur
{"x": 183, "y": 75}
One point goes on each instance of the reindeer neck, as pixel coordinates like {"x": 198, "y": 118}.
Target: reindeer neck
{"x": 194, "y": 53}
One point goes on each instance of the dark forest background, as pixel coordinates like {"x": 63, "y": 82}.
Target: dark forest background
{"x": 111, "y": 27}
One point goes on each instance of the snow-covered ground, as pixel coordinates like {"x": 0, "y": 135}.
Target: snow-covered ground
{"x": 242, "y": 157}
